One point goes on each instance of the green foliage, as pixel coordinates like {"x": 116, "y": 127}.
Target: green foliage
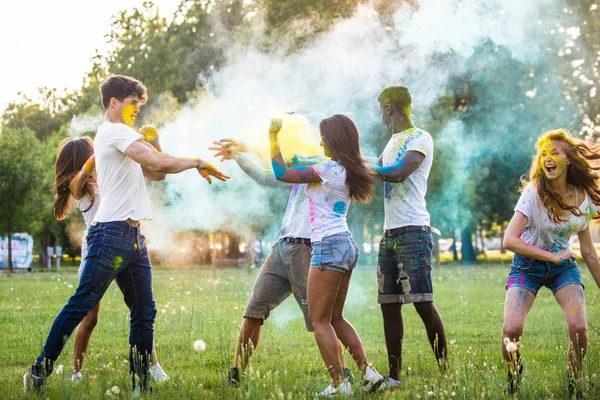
{"x": 21, "y": 169}
{"x": 43, "y": 115}
{"x": 281, "y": 11}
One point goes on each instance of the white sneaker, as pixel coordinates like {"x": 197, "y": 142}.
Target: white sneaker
{"x": 343, "y": 388}
{"x": 372, "y": 379}
{"x": 157, "y": 373}
{"x": 76, "y": 377}
{"x": 389, "y": 383}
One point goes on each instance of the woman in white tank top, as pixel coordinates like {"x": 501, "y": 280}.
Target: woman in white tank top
{"x": 75, "y": 182}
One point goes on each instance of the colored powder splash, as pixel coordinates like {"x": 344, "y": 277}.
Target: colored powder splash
{"x": 295, "y": 139}
{"x": 128, "y": 113}
{"x": 339, "y": 208}
{"x": 149, "y": 132}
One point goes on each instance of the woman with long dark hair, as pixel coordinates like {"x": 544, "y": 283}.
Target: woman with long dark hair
{"x": 75, "y": 182}
{"x": 557, "y": 203}
{"x": 332, "y": 185}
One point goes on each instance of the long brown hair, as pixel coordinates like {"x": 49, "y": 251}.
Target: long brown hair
{"x": 581, "y": 172}
{"x": 71, "y": 155}
{"x": 340, "y": 135}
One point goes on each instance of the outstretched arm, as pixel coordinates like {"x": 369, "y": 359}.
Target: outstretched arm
{"x": 78, "y": 182}
{"x": 280, "y": 169}
{"x": 230, "y": 149}
{"x": 589, "y": 254}
{"x": 513, "y": 242}
{"x": 148, "y": 157}
{"x": 408, "y": 163}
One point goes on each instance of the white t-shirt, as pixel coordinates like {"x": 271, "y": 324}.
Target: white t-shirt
{"x": 84, "y": 204}
{"x": 542, "y": 232}
{"x": 295, "y": 221}
{"x": 404, "y": 203}
{"x": 120, "y": 179}
{"x": 329, "y": 201}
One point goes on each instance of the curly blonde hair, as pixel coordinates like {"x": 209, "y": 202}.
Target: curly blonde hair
{"x": 581, "y": 172}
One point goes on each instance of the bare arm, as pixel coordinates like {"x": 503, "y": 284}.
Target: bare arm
{"x": 258, "y": 173}
{"x": 148, "y": 157}
{"x": 589, "y": 254}
{"x": 231, "y": 149}
{"x": 513, "y": 242}
{"x": 280, "y": 169}
{"x": 408, "y": 163}
{"x": 78, "y": 181}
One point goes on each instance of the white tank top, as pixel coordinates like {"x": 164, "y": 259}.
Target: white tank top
{"x": 84, "y": 204}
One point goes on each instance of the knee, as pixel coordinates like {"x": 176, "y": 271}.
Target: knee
{"x": 337, "y": 319}
{"x": 512, "y": 332}
{"x": 320, "y": 325}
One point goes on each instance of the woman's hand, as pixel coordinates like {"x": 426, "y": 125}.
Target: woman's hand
{"x": 565, "y": 258}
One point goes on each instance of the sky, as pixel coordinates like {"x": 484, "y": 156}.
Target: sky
{"x": 51, "y": 43}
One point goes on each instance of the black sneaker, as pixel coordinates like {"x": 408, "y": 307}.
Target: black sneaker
{"x": 348, "y": 374}
{"x": 233, "y": 377}
{"x": 33, "y": 380}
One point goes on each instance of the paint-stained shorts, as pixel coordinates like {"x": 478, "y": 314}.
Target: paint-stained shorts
{"x": 531, "y": 274}
{"x": 404, "y": 268}
{"x": 338, "y": 252}
{"x": 284, "y": 272}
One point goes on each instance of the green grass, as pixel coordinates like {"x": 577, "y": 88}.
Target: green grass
{"x": 197, "y": 305}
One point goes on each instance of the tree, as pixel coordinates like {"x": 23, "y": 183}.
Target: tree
{"x": 43, "y": 114}
{"x": 21, "y": 169}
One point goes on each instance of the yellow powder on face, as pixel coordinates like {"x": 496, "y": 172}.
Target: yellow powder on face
{"x": 295, "y": 138}
{"x": 128, "y": 113}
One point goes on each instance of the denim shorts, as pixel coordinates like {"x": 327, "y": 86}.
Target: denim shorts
{"x": 338, "y": 252}
{"x": 531, "y": 274}
{"x": 284, "y": 272}
{"x": 404, "y": 268}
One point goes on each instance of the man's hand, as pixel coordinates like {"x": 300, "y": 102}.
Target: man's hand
{"x": 150, "y": 135}
{"x": 227, "y": 149}
{"x": 207, "y": 170}
{"x": 275, "y": 127}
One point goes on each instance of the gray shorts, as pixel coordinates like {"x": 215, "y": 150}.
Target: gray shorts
{"x": 284, "y": 272}
{"x": 338, "y": 252}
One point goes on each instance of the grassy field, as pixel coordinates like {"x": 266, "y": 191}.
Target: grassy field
{"x": 199, "y": 305}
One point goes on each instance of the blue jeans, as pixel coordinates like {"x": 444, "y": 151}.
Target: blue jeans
{"x": 115, "y": 251}
{"x": 531, "y": 274}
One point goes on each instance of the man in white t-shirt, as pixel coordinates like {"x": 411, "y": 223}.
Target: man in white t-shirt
{"x": 116, "y": 249}
{"x": 405, "y": 251}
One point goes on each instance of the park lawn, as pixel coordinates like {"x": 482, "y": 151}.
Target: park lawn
{"x": 199, "y": 305}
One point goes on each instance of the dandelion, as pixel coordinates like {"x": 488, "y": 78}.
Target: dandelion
{"x": 430, "y": 393}
{"x": 59, "y": 369}
{"x": 115, "y": 390}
